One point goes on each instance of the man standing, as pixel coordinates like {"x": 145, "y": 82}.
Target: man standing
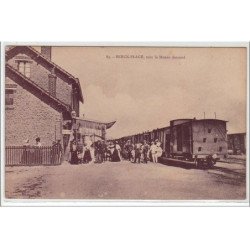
{"x": 145, "y": 149}
{"x": 128, "y": 148}
{"x": 138, "y": 152}
{"x": 153, "y": 152}
{"x": 57, "y": 152}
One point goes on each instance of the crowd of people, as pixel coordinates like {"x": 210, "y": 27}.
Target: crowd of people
{"x": 100, "y": 151}
{"x": 97, "y": 152}
{"x": 142, "y": 152}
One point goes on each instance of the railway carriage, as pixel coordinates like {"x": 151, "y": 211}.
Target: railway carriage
{"x": 201, "y": 141}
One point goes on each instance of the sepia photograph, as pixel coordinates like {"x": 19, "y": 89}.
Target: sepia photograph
{"x": 125, "y": 123}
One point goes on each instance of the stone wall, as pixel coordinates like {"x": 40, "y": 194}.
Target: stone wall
{"x": 30, "y": 118}
{"x": 40, "y": 75}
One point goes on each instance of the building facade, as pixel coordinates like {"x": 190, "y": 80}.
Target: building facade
{"x": 39, "y": 96}
{"x": 42, "y": 100}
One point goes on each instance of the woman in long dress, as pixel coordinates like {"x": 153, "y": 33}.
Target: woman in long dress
{"x": 87, "y": 156}
{"x": 74, "y": 156}
{"x": 158, "y": 151}
{"x": 116, "y": 156}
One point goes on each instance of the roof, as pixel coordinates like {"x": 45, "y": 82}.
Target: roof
{"x": 108, "y": 124}
{"x": 194, "y": 119}
{"x": 10, "y": 69}
{"x": 240, "y": 133}
{"x": 13, "y": 50}
{"x": 209, "y": 120}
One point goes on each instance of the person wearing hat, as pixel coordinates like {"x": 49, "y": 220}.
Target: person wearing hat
{"x": 38, "y": 142}
{"x": 38, "y": 152}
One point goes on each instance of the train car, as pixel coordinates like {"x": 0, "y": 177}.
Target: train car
{"x": 163, "y": 135}
{"x": 202, "y": 141}
{"x": 237, "y": 143}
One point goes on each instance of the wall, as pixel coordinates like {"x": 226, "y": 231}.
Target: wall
{"x": 218, "y": 130}
{"x": 39, "y": 74}
{"x": 31, "y": 118}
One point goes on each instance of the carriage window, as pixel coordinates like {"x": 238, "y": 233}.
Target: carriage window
{"x": 220, "y": 149}
{"x": 215, "y": 139}
{"x": 209, "y": 130}
{"x": 204, "y": 139}
{"x": 199, "y": 148}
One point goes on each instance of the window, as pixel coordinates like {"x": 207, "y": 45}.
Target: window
{"x": 199, "y": 148}
{"x": 9, "y": 97}
{"x": 24, "y": 68}
{"x": 209, "y": 130}
{"x": 215, "y": 140}
{"x": 21, "y": 67}
{"x": 27, "y": 69}
{"x": 204, "y": 139}
{"x": 220, "y": 149}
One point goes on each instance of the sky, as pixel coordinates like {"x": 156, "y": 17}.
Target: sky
{"x": 143, "y": 88}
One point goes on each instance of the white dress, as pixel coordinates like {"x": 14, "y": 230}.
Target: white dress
{"x": 158, "y": 151}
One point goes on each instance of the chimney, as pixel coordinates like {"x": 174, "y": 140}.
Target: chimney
{"x": 46, "y": 51}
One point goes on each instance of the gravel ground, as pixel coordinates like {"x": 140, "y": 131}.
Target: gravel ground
{"x": 125, "y": 180}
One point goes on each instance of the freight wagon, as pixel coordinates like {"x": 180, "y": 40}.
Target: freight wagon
{"x": 201, "y": 141}
{"x": 237, "y": 143}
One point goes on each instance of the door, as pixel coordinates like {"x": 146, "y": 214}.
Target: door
{"x": 167, "y": 144}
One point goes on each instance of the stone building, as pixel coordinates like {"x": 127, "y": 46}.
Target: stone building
{"x": 39, "y": 96}
{"x": 42, "y": 100}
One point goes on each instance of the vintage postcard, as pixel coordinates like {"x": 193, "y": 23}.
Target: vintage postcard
{"x": 125, "y": 124}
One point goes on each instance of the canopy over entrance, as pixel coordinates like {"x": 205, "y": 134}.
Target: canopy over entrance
{"x": 92, "y": 128}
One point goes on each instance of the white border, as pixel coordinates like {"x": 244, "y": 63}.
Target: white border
{"x": 125, "y": 203}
